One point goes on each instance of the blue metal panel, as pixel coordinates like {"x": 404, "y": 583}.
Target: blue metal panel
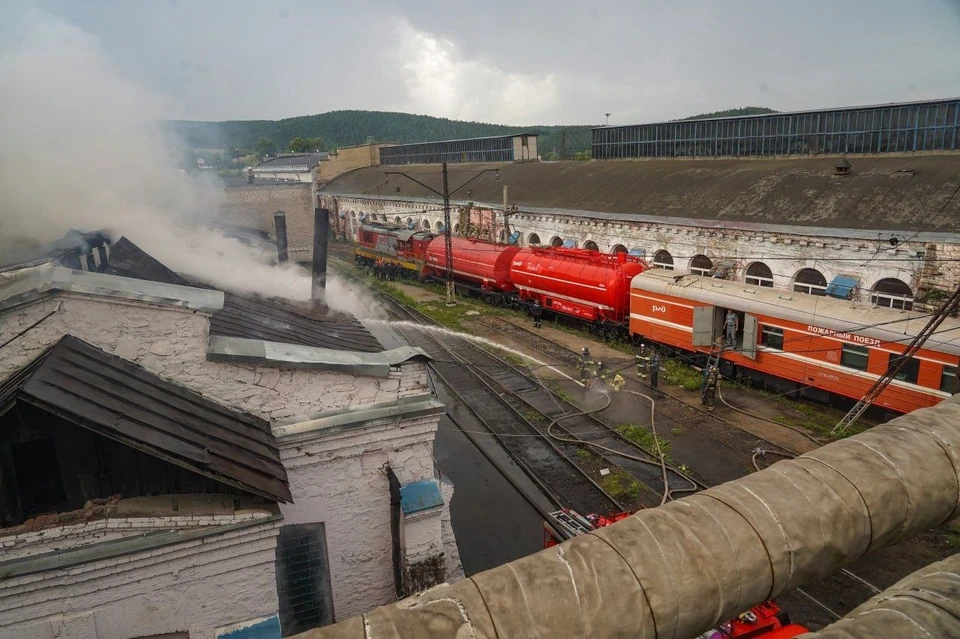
{"x": 264, "y": 628}
{"x": 570, "y": 244}
{"x": 841, "y": 287}
{"x": 420, "y": 495}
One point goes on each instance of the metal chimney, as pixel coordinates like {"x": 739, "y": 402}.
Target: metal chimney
{"x": 280, "y": 222}
{"x": 321, "y": 234}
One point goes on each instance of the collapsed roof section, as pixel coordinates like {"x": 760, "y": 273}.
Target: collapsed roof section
{"x": 117, "y": 399}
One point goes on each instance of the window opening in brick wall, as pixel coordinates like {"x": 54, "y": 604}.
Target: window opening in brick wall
{"x": 759, "y": 274}
{"x": 303, "y": 578}
{"x": 701, "y": 265}
{"x": 663, "y": 259}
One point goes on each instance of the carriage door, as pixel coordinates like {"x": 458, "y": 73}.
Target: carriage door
{"x": 749, "y": 336}
{"x": 703, "y": 326}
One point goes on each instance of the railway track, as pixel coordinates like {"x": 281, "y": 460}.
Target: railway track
{"x": 506, "y": 395}
{"x": 512, "y": 403}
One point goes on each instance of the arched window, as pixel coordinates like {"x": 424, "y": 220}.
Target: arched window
{"x": 556, "y": 242}
{"x": 396, "y": 219}
{"x": 353, "y": 214}
{"x": 619, "y": 248}
{"x": 663, "y": 259}
{"x": 456, "y": 229}
{"x": 590, "y": 245}
{"x": 439, "y": 227}
{"x": 810, "y": 281}
{"x": 409, "y": 220}
{"x": 892, "y": 293}
{"x": 533, "y": 239}
{"x": 426, "y": 225}
{"x": 759, "y": 274}
{"x": 701, "y": 265}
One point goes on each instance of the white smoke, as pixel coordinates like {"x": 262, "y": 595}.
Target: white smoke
{"x": 81, "y": 150}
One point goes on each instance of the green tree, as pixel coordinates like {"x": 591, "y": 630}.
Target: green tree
{"x": 297, "y": 145}
{"x": 264, "y": 145}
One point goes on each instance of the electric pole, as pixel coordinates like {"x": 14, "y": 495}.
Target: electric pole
{"x": 447, "y": 231}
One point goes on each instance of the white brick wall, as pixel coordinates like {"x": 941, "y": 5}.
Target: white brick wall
{"x": 193, "y": 586}
{"x": 172, "y": 343}
{"x": 784, "y": 253}
{"x": 59, "y": 538}
{"x": 337, "y": 478}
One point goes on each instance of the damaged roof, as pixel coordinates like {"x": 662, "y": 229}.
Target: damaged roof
{"x": 290, "y": 322}
{"x": 116, "y": 398}
{"x": 896, "y": 192}
{"x": 255, "y": 317}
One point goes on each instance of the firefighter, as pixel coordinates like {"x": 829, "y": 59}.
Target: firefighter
{"x": 376, "y": 269}
{"x": 654, "y": 369}
{"x": 709, "y": 394}
{"x": 730, "y": 324}
{"x": 537, "y": 313}
{"x": 601, "y": 372}
{"x": 584, "y": 363}
{"x": 643, "y": 362}
{"x": 618, "y": 381}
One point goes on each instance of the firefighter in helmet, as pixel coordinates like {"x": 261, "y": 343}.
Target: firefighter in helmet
{"x": 643, "y": 362}
{"x": 709, "y": 395}
{"x": 584, "y": 363}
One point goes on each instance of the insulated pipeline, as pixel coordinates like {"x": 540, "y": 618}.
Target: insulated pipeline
{"x": 677, "y": 570}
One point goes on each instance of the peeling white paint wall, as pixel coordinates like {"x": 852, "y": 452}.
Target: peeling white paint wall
{"x": 193, "y": 586}
{"x": 336, "y": 478}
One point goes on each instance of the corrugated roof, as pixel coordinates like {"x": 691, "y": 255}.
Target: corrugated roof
{"x": 291, "y": 322}
{"x": 129, "y": 260}
{"x": 120, "y": 400}
{"x": 884, "y": 193}
{"x": 253, "y": 317}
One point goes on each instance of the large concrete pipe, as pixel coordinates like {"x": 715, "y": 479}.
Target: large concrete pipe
{"x": 678, "y": 570}
{"x": 924, "y": 605}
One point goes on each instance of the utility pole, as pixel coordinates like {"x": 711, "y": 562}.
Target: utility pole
{"x": 447, "y": 231}
{"x": 448, "y": 238}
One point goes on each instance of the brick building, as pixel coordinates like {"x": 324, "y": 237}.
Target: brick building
{"x": 178, "y": 460}
{"x": 889, "y": 222}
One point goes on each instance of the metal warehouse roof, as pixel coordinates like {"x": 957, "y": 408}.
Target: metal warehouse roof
{"x": 902, "y": 192}
{"x": 116, "y": 398}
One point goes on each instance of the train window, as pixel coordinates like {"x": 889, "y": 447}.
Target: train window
{"x": 910, "y": 370}
{"x": 855, "y": 357}
{"x": 772, "y": 337}
{"x": 948, "y": 380}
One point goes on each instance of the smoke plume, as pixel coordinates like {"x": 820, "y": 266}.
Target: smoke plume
{"x": 81, "y": 149}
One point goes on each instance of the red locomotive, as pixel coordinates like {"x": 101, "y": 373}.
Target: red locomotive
{"x": 581, "y": 284}
{"x": 804, "y": 344}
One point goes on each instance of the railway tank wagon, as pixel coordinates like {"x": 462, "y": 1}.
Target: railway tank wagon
{"x": 482, "y": 266}
{"x": 579, "y": 283}
{"x": 814, "y": 346}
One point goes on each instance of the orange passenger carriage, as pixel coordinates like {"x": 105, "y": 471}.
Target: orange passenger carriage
{"x": 812, "y": 345}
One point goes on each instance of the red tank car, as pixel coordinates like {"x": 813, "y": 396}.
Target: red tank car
{"x": 475, "y": 262}
{"x": 576, "y": 282}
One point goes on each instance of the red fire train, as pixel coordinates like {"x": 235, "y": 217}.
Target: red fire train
{"x": 585, "y": 285}
{"x": 805, "y": 344}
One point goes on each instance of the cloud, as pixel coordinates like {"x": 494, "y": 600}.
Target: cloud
{"x": 439, "y": 80}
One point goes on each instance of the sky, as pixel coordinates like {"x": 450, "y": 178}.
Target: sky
{"x": 510, "y": 62}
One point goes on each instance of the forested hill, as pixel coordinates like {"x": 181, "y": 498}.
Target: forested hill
{"x": 346, "y": 128}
